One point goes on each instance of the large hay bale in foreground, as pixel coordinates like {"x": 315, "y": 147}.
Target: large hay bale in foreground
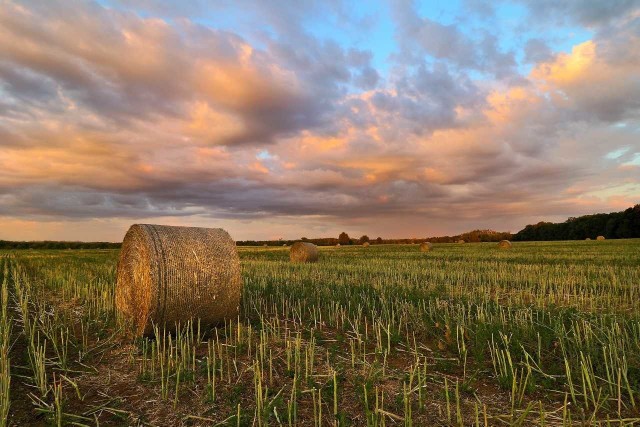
{"x": 426, "y": 246}
{"x": 600, "y": 238}
{"x": 168, "y": 275}
{"x": 303, "y": 252}
{"x": 504, "y": 244}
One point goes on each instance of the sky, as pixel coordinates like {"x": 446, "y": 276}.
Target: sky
{"x": 284, "y": 119}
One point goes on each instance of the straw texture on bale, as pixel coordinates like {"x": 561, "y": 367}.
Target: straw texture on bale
{"x": 600, "y": 238}
{"x": 365, "y": 244}
{"x": 504, "y": 244}
{"x": 426, "y": 246}
{"x": 168, "y": 275}
{"x": 303, "y": 252}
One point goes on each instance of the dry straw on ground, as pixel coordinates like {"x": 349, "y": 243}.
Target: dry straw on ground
{"x": 600, "y": 238}
{"x": 303, "y": 252}
{"x": 426, "y": 246}
{"x": 168, "y": 275}
{"x": 505, "y": 244}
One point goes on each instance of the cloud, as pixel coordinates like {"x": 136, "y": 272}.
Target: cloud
{"x": 419, "y": 36}
{"x": 588, "y": 82}
{"x": 145, "y": 69}
{"x": 109, "y": 116}
{"x": 537, "y": 50}
{"x": 589, "y": 13}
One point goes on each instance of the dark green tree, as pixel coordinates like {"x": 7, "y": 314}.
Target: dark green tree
{"x": 343, "y": 239}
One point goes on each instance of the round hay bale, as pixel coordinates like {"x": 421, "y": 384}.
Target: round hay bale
{"x": 284, "y": 245}
{"x": 303, "y": 252}
{"x": 265, "y": 245}
{"x": 600, "y": 238}
{"x": 588, "y": 238}
{"x": 365, "y": 244}
{"x": 426, "y": 246}
{"x": 505, "y": 244}
{"x": 168, "y": 275}
{"x": 461, "y": 241}
{"x": 338, "y": 245}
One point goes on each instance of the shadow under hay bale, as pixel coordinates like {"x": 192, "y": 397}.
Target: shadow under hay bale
{"x": 505, "y": 244}
{"x": 426, "y": 246}
{"x": 168, "y": 275}
{"x": 303, "y": 252}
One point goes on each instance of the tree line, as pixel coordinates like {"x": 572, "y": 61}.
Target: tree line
{"x": 615, "y": 225}
{"x": 344, "y": 239}
{"x": 49, "y": 244}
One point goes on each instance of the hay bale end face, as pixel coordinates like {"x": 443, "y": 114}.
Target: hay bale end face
{"x": 600, "y": 238}
{"x": 426, "y": 246}
{"x": 505, "y": 244}
{"x": 168, "y": 275}
{"x": 303, "y": 252}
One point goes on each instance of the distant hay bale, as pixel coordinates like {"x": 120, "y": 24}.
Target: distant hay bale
{"x": 284, "y": 245}
{"x": 168, "y": 275}
{"x": 365, "y": 244}
{"x": 265, "y": 245}
{"x": 600, "y": 238}
{"x": 303, "y": 252}
{"x": 461, "y": 241}
{"x": 338, "y": 245}
{"x": 426, "y": 246}
{"x": 505, "y": 244}
{"x": 588, "y": 238}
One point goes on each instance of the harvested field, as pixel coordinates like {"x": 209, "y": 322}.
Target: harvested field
{"x": 470, "y": 335}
